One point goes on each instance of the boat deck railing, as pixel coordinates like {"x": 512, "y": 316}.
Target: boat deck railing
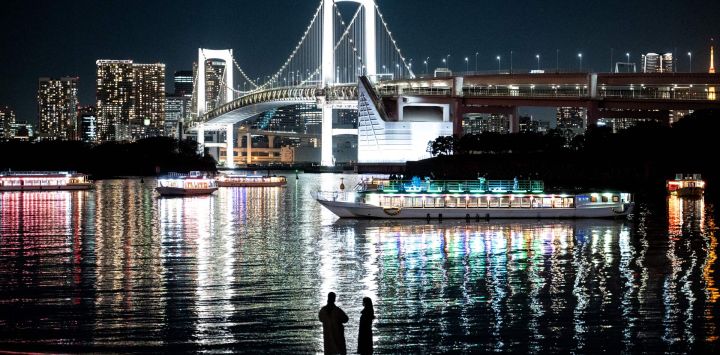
{"x": 35, "y": 173}
{"x": 461, "y": 186}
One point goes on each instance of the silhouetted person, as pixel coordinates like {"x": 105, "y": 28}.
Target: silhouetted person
{"x": 332, "y": 318}
{"x": 365, "y": 337}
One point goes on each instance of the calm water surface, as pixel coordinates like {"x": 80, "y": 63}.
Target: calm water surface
{"x": 247, "y": 269}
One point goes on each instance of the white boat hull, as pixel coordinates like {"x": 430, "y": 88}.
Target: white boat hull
{"x": 250, "y": 184}
{"x": 176, "y": 191}
{"x": 47, "y": 187}
{"x": 360, "y": 210}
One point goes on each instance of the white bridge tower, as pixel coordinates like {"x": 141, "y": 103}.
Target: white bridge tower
{"x": 328, "y": 63}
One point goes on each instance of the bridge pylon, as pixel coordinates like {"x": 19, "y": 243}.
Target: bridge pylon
{"x": 328, "y": 64}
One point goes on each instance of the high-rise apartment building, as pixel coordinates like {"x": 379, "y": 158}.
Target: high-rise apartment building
{"x": 149, "y": 115}
{"x": 657, "y": 63}
{"x": 130, "y": 99}
{"x": 7, "y": 120}
{"x": 115, "y": 95}
{"x": 57, "y": 108}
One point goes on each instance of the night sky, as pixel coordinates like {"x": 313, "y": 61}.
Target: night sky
{"x": 64, "y": 37}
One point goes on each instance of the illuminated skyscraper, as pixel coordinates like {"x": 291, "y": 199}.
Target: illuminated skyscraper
{"x": 87, "y": 124}
{"x": 711, "y": 90}
{"x": 712, "y": 57}
{"x": 57, "y": 108}
{"x": 657, "y": 63}
{"x": 149, "y": 114}
{"x": 115, "y": 99}
{"x": 481, "y": 123}
{"x": 184, "y": 83}
{"x": 130, "y": 99}
{"x": 177, "y": 112}
{"x": 7, "y": 120}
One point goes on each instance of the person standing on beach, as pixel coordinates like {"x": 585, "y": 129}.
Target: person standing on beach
{"x": 332, "y": 318}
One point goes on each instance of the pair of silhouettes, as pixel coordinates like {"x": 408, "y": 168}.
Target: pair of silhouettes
{"x": 333, "y": 318}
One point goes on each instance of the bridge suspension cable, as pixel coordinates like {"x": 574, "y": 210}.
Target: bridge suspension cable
{"x": 303, "y": 66}
{"x": 390, "y": 51}
{"x": 301, "y": 56}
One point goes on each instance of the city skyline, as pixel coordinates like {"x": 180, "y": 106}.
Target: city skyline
{"x": 67, "y": 45}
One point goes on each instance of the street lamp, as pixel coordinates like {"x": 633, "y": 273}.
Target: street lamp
{"x": 511, "y": 62}
{"x": 690, "y": 55}
{"x": 426, "y": 64}
{"x": 537, "y": 56}
{"x": 397, "y": 67}
{"x": 476, "y": 54}
{"x": 498, "y": 59}
{"x": 580, "y": 60}
{"x": 447, "y": 61}
{"x": 628, "y": 56}
{"x": 466, "y": 65}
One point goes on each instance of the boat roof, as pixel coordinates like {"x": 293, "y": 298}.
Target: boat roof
{"x": 38, "y": 173}
{"x": 190, "y": 175}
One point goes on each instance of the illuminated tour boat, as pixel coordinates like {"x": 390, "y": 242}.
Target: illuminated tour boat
{"x": 43, "y": 180}
{"x": 251, "y": 181}
{"x": 686, "y": 185}
{"x": 192, "y": 184}
{"x": 474, "y": 199}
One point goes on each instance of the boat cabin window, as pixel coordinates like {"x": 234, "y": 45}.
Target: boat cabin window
{"x": 408, "y": 201}
{"x": 472, "y": 202}
{"x": 483, "y": 202}
{"x": 504, "y": 201}
{"x": 616, "y": 199}
{"x": 450, "y": 201}
{"x": 525, "y": 202}
{"x": 569, "y": 202}
{"x": 494, "y": 202}
{"x": 429, "y": 202}
{"x": 417, "y": 202}
{"x": 547, "y": 202}
{"x": 604, "y": 198}
{"x": 593, "y": 198}
{"x": 439, "y": 202}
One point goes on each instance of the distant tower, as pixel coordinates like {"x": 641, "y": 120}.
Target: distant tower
{"x": 712, "y": 57}
{"x": 711, "y": 90}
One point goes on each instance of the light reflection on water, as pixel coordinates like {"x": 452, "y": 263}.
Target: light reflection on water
{"x": 248, "y": 269}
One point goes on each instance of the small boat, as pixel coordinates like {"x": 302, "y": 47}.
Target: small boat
{"x": 192, "y": 184}
{"x": 251, "y": 181}
{"x": 473, "y": 199}
{"x": 43, "y": 181}
{"x": 686, "y": 185}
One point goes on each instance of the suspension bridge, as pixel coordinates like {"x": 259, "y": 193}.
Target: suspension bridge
{"x": 322, "y": 69}
{"x": 359, "y": 65}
